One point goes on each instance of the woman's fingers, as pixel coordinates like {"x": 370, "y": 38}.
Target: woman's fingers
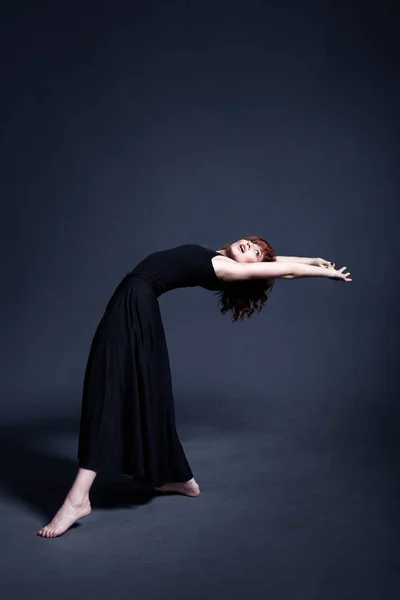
{"x": 344, "y": 276}
{"x": 347, "y": 276}
{"x": 341, "y": 275}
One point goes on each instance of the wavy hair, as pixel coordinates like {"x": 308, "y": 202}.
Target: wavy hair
{"x": 243, "y": 298}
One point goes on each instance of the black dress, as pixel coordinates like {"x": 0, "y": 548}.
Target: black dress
{"x": 127, "y": 418}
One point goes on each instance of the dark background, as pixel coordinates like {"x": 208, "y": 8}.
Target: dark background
{"x": 129, "y": 128}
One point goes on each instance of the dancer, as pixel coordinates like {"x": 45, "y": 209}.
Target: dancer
{"x": 127, "y": 417}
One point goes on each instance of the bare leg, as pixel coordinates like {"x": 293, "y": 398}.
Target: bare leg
{"x": 76, "y": 505}
{"x": 188, "y": 488}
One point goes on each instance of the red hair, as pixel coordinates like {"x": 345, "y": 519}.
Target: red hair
{"x": 244, "y": 297}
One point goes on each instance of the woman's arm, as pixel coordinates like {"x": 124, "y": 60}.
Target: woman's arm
{"x": 295, "y": 259}
{"x": 235, "y": 271}
{"x": 315, "y": 262}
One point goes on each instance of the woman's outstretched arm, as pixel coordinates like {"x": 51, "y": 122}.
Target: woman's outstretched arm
{"x": 301, "y": 270}
{"x": 316, "y": 262}
{"x": 234, "y": 271}
{"x": 295, "y": 259}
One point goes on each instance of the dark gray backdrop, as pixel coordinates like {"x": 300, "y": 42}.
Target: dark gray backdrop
{"x": 128, "y": 129}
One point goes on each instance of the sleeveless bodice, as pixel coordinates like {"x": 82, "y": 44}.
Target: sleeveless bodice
{"x": 187, "y": 265}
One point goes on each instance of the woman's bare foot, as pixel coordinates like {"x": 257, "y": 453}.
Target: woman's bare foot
{"x": 188, "y": 488}
{"x": 65, "y": 517}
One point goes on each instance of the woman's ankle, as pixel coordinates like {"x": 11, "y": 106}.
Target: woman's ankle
{"x": 77, "y": 499}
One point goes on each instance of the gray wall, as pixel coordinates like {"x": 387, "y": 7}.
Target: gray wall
{"x": 130, "y": 130}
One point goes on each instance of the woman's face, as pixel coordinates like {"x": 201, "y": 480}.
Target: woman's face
{"x": 245, "y": 251}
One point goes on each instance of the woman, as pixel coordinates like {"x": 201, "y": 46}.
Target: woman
{"x": 127, "y": 418}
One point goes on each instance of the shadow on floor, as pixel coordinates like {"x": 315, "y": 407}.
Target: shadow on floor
{"x": 42, "y": 479}
{"x": 38, "y": 464}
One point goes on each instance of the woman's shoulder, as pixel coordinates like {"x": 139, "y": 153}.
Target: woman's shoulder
{"x": 225, "y": 267}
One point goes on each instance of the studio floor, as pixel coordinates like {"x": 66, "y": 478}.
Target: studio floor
{"x": 287, "y": 510}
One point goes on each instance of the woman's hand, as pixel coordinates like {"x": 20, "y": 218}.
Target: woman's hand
{"x": 338, "y": 274}
{"x": 321, "y": 262}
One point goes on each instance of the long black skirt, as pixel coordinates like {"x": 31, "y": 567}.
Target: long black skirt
{"x": 127, "y": 418}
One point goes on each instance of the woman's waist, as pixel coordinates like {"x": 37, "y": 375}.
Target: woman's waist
{"x": 142, "y": 278}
